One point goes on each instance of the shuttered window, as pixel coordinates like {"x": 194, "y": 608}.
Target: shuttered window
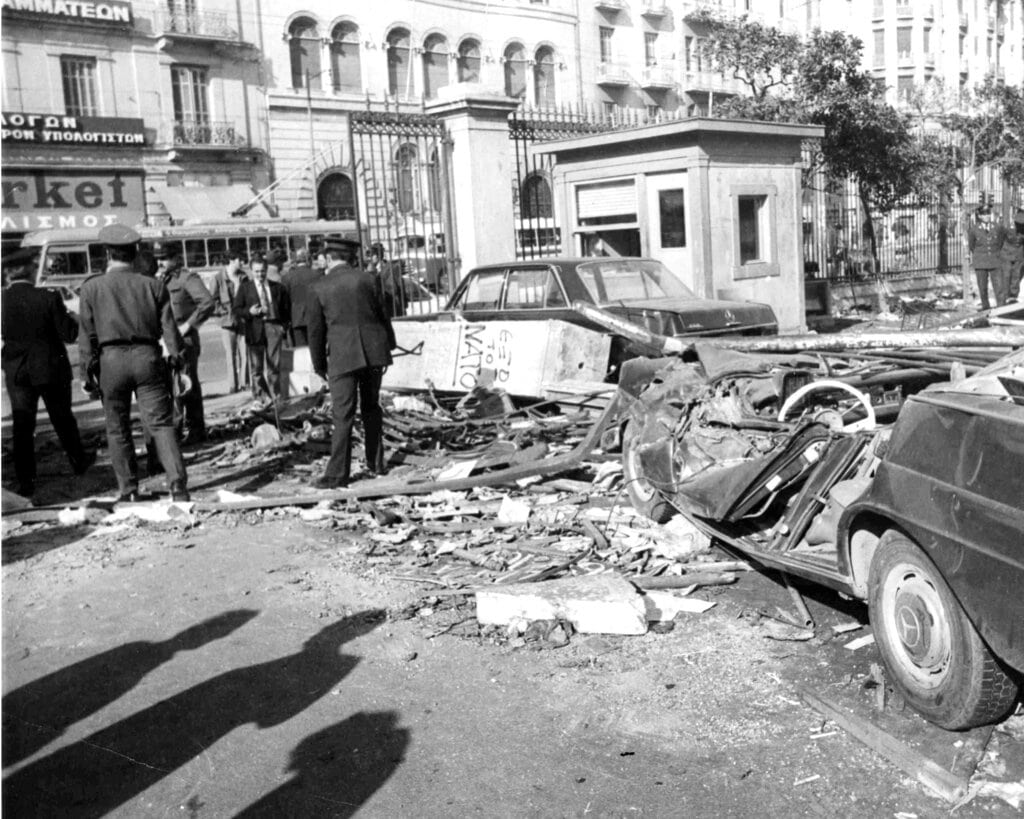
{"x": 606, "y": 203}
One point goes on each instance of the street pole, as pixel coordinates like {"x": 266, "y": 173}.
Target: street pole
{"x": 312, "y": 146}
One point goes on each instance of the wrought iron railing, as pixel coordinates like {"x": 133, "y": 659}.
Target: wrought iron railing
{"x": 205, "y": 133}
{"x": 213, "y": 24}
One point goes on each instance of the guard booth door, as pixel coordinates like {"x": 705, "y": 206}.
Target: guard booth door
{"x": 668, "y": 218}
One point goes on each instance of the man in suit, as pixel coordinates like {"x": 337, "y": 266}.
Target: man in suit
{"x": 350, "y": 343}
{"x": 191, "y": 304}
{"x": 297, "y": 281}
{"x": 264, "y": 308}
{"x": 36, "y": 326}
{"x": 124, "y": 316}
{"x": 232, "y": 331}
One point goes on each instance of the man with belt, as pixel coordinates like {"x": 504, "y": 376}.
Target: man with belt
{"x": 36, "y": 326}
{"x": 297, "y": 282}
{"x": 350, "y": 343}
{"x": 191, "y": 304}
{"x": 985, "y": 240}
{"x": 123, "y": 317}
{"x": 264, "y": 308}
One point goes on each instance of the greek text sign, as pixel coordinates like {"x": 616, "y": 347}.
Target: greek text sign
{"x": 43, "y": 199}
{"x": 110, "y": 11}
{"x": 60, "y": 130}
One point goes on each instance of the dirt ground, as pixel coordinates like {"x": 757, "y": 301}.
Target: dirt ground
{"x": 256, "y": 664}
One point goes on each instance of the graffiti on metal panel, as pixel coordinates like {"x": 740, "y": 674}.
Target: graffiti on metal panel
{"x": 482, "y": 348}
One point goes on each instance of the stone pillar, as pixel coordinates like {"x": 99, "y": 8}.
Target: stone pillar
{"x": 483, "y": 169}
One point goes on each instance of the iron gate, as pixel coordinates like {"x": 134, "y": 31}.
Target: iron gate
{"x": 402, "y": 167}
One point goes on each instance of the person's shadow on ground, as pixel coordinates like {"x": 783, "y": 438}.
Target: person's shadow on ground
{"x": 40, "y": 711}
{"x": 337, "y": 769}
{"x": 105, "y": 770}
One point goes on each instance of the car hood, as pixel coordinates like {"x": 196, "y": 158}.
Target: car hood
{"x": 674, "y": 317}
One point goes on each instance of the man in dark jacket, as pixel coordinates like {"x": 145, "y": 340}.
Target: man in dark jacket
{"x": 350, "y": 343}
{"x": 191, "y": 304}
{"x": 297, "y": 281}
{"x": 124, "y": 316}
{"x": 36, "y": 326}
{"x": 985, "y": 239}
{"x": 264, "y": 307}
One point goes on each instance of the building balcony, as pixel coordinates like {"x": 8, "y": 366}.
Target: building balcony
{"x": 928, "y": 12}
{"x": 963, "y": 20}
{"x": 204, "y": 134}
{"x": 609, "y": 73}
{"x": 610, "y": 5}
{"x": 690, "y": 6}
{"x": 654, "y": 8}
{"x": 965, "y": 65}
{"x": 658, "y": 76}
{"x": 878, "y": 10}
{"x": 904, "y": 9}
{"x": 710, "y": 81}
{"x": 905, "y": 59}
{"x": 929, "y": 60}
{"x": 878, "y": 61}
{"x": 198, "y": 25}
{"x": 991, "y": 22}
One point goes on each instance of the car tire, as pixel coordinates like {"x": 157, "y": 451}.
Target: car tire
{"x": 646, "y": 499}
{"x": 934, "y": 656}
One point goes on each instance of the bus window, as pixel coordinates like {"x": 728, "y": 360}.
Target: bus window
{"x": 279, "y": 244}
{"x": 257, "y": 244}
{"x": 97, "y": 258}
{"x": 195, "y": 253}
{"x": 238, "y": 245}
{"x": 218, "y": 249}
{"x": 62, "y": 262}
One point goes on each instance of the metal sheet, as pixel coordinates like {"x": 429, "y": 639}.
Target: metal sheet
{"x": 523, "y": 355}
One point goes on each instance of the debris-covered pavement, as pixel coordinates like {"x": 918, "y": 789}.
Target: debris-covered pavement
{"x": 530, "y": 640}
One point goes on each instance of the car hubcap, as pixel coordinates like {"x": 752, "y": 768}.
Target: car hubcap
{"x": 915, "y": 613}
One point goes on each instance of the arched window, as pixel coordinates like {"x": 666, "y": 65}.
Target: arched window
{"x": 399, "y": 65}
{"x": 304, "y": 45}
{"x": 435, "y": 64}
{"x": 469, "y": 61}
{"x": 407, "y": 177}
{"x": 346, "y": 73}
{"x": 515, "y": 71}
{"x": 544, "y": 76}
{"x": 536, "y": 202}
{"x": 335, "y": 198}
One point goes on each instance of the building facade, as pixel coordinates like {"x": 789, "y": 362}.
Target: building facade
{"x": 128, "y": 112}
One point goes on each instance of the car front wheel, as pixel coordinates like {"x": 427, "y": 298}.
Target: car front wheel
{"x": 935, "y": 657}
{"x": 644, "y": 496}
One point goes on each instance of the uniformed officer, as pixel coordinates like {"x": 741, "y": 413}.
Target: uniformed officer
{"x": 350, "y": 343}
{"x": 192, "y": 304}
{"x": 123, "y": 316}
{"x": 985, "y": 239}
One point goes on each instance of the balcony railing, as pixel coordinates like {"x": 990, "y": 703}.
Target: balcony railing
{"x": 611, "y": 73}
{"x": 929, "y": 60}
{"x": 610, "y": 5}
{"x": 878, "y": 61}
{"x": 904, "y": 10}
{"x": 965, "y": 65}
{"x": 654, "y": 8}
{"x": 205, "y": 134}
{"x": 711, "y": 81}
{"x": 928, "y": 12}
{"x": 878, "y": 10}
{"x": 658, "y": 76}
{"x": 905, "y": 59}
{"x": 963, "y": 20}
{"x": 200, "y": 24}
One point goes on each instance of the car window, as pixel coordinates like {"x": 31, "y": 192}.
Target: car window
{"x": 482, "y": 291}
{"x": 613, "y": 280}
{"x": 533, "y": 289}
{"x": 64, "y": 262}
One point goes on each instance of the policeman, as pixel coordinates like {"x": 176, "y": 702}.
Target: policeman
{"x": 123, "y": 316}
{"x": 191, "y": 304}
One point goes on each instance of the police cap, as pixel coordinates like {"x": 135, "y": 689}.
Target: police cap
{"x": 118, "y": 235}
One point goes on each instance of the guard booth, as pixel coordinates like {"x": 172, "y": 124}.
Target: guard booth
{"x": 717, "y": 201}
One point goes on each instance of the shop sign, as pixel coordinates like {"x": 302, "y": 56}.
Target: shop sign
{"x": 61, "y": 130}
{"x": 43, "y": 199}
{"x": 110, "y": 11}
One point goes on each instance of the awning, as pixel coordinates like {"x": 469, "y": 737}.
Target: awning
{"x": 196, "y": 204}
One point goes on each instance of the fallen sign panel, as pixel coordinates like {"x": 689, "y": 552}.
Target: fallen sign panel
{"x": 522, "y": 355}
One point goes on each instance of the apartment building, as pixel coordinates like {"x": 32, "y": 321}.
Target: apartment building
{"x": 128, "y": 112}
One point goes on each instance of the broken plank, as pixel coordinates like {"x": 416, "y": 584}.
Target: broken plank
{"x": 929, "y": 773}
{"x": 682, "y": 581}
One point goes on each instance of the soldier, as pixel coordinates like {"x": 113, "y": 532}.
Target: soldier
{"x": 36, "y": 326}
{"x": 297, "y": 282}
{"x": 191, "y": 304}
{"x": 985, "y": 240}
{"x": 123, "y": 317}
{"x": 346, "y": 314}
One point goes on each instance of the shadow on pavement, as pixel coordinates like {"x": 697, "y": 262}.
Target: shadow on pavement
{"x": 22, "y": 547}
{"x": 110, "y": 767}
{"x": 337, "y": 769}
{"x": 40, "y": 711}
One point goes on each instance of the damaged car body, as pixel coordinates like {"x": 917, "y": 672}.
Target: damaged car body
{"x": 872, "y": 473}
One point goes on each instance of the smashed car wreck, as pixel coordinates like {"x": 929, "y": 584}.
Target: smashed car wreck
{"x": 892, "y": 475}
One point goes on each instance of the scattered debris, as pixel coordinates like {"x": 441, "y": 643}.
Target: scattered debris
{"x": 860, "y": 642}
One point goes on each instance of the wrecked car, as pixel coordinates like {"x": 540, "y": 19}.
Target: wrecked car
{"x": 872, "y": 473}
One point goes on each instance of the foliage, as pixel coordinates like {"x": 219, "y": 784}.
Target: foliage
{"x": 994, "y": 125}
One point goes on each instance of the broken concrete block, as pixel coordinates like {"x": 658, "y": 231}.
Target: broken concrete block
{"x": 513, "y": 511}
{"x": 595, "y": 604}
{"x": 662, "y": 606}
{"x": 679, "y": 539}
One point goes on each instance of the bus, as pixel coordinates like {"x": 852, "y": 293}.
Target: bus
{"x": 67, "y": 256}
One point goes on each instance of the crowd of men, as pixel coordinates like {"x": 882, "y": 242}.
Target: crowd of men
{"x": 138, "y": 337}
